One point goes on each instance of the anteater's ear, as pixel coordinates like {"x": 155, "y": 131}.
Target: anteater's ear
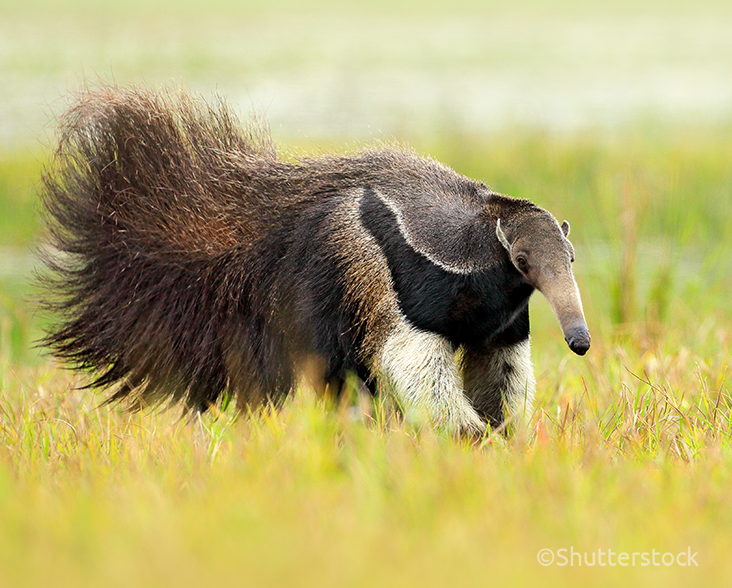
{"x": 502, "y": 236}
{"x": 565, "y": 228}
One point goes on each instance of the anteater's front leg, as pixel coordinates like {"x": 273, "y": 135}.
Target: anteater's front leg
{"x": 420, "y": 369}
{"x": 499, "y": 380}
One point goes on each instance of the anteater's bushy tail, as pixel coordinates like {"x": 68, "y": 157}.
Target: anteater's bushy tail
{"x": 153, "y": 203}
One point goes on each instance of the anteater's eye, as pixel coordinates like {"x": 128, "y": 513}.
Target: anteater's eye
{"x": 521, "y": 263}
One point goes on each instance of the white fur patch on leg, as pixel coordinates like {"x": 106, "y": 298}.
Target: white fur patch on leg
{"x": 521, "y": 382}
{"x": 420, "y": 368}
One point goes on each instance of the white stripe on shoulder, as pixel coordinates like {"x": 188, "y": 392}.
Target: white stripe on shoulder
{"x": 461, "y": 269}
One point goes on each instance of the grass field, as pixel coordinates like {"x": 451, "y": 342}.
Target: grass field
{"x": 629, "y": 448}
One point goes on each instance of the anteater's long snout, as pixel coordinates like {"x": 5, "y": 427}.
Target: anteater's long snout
{"x": 564, "y": 298}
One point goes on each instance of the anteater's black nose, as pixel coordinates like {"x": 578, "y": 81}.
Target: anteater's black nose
{"x": 579, "y": 340}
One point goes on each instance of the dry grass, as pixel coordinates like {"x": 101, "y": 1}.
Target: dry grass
{"x": 628, "y": 455}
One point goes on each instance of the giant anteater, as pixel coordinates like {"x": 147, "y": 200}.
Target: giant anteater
{"x": 191, "y": 261}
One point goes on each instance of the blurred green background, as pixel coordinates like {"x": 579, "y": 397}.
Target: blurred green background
{"x": 614, "y": 115}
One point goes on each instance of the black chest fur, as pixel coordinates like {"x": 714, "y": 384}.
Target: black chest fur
{"x": 476, "y": 309}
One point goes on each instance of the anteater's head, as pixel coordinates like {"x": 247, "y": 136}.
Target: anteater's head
{"x": 539, "y": 249}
